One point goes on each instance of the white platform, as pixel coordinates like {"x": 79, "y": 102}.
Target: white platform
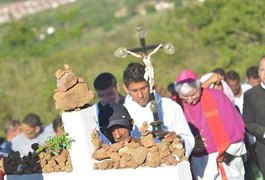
{"x": 79, "y": 125}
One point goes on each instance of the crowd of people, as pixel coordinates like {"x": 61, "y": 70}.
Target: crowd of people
{"x": 220, "y": 139}
{"x": 219, "y": 118}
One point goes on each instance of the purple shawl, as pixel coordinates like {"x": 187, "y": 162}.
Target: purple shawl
{"x": 229, "y": 115}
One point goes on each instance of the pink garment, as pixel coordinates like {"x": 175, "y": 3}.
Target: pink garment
{"x": 226, "y": 89}
{"x": 229, "y": 115}
{"x": 186, "y": 75}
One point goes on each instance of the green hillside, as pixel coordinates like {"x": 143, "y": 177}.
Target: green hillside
{"x": 222, "y": 33}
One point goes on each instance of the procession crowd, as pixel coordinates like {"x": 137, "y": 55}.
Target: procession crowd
{"x": 219, "y": 117}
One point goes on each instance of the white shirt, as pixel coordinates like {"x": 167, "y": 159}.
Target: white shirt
{"x": 169, "y": 112}
{"x": 23, "y": 144}
{"x": 239, "y": 100}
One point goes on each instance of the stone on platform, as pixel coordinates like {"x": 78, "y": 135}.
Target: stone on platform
{"x": 79, "y": 125}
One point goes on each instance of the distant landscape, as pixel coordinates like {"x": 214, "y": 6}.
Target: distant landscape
{"x": 85, "y": 34}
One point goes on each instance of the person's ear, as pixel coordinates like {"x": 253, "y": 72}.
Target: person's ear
{"x": 131, "y": 121}
{"x": 125, "y": 89}
{"x": 118, "y": 87}
{"x": 37, "y": 129}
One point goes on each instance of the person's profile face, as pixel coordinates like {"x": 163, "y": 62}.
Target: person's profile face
{"x": 235, "y": 86}
{"x": 117, "y": 134}
{"x": 59, "y": 131}
{"x": 261, "y": 70}
{"x": 109, "y": 95}
{"x": 139, "y": 91}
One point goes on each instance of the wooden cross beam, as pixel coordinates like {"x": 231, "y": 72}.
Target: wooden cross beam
{"x": 145, "y": 56}
{"x": 149, "y": 71}
{"x": 141, "y": 33}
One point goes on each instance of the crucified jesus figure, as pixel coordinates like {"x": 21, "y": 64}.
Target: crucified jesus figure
{"x": 149, "y": 69}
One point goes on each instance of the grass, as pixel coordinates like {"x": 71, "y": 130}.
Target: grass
{"x": 87, "y": 34}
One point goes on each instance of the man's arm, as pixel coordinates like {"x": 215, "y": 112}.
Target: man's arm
{"x": 181, "y": 127}
{"x": 253, "y": 127}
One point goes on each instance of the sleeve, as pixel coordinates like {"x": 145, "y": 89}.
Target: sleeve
{"x": 181, "y": 127}
{"x": 237, "y": 149}
{"x": 6, "y": 147}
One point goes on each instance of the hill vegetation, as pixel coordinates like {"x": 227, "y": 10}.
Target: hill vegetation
{"x": 228, "y": 34}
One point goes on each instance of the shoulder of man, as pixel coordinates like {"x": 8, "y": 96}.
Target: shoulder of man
{"x": 18, "y": 138}
{"x": 245, "y": 87}
{"x": 253, "y": 91}
{"x": 121, "y": 99}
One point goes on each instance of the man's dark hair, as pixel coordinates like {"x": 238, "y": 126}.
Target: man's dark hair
{"x": 171, "y": 88}
{"x": 232, "y": 75}
{"x": 133, "y": 73}
{"x": 252, "y": 72}
{"x": 220, "y": 71}
{"x": 33, "y": 120}
{"x": 104, "y": 81}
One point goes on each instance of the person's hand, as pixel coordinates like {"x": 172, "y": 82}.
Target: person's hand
{"x": 220, "y": 159}
{"x": 170, "y": 136}
{"x": 226, "y": 158}
{"x": 200, "y": 144}
{"x": 215, "y": 78}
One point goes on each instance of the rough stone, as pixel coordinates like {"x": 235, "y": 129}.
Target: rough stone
{"x": 72, "y": 92}
{"x": 136, "y": 154}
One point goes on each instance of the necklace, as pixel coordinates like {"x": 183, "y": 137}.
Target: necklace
{"x": 200, "y": 141}
{"x": 200, "y": 129}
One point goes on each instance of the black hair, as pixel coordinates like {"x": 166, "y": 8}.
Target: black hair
{"x": 33, "y": 120}
{"x": 252, "y": 72}
{"x": 133, "y": 73}
{"x": 104, "y": 81}
{"x": 220, "y": 71}
{"x": 232, "y": 75}
{"x": 171, "y": 88}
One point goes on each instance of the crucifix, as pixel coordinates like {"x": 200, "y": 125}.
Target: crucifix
{"x": 157, "y": 130}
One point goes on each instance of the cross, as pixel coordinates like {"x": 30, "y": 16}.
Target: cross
{"x": 145, "y": 56}
{"x": 149, "y": 71}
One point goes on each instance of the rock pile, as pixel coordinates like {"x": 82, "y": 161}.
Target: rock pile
{"x": 72, "y": 93}
{"x": 43, "y": 162}
{"x": 137, "y": 154}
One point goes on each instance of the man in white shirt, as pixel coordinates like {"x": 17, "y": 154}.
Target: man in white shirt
{"x": 138, "y": 104}
{"x": 33, "y": 132}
